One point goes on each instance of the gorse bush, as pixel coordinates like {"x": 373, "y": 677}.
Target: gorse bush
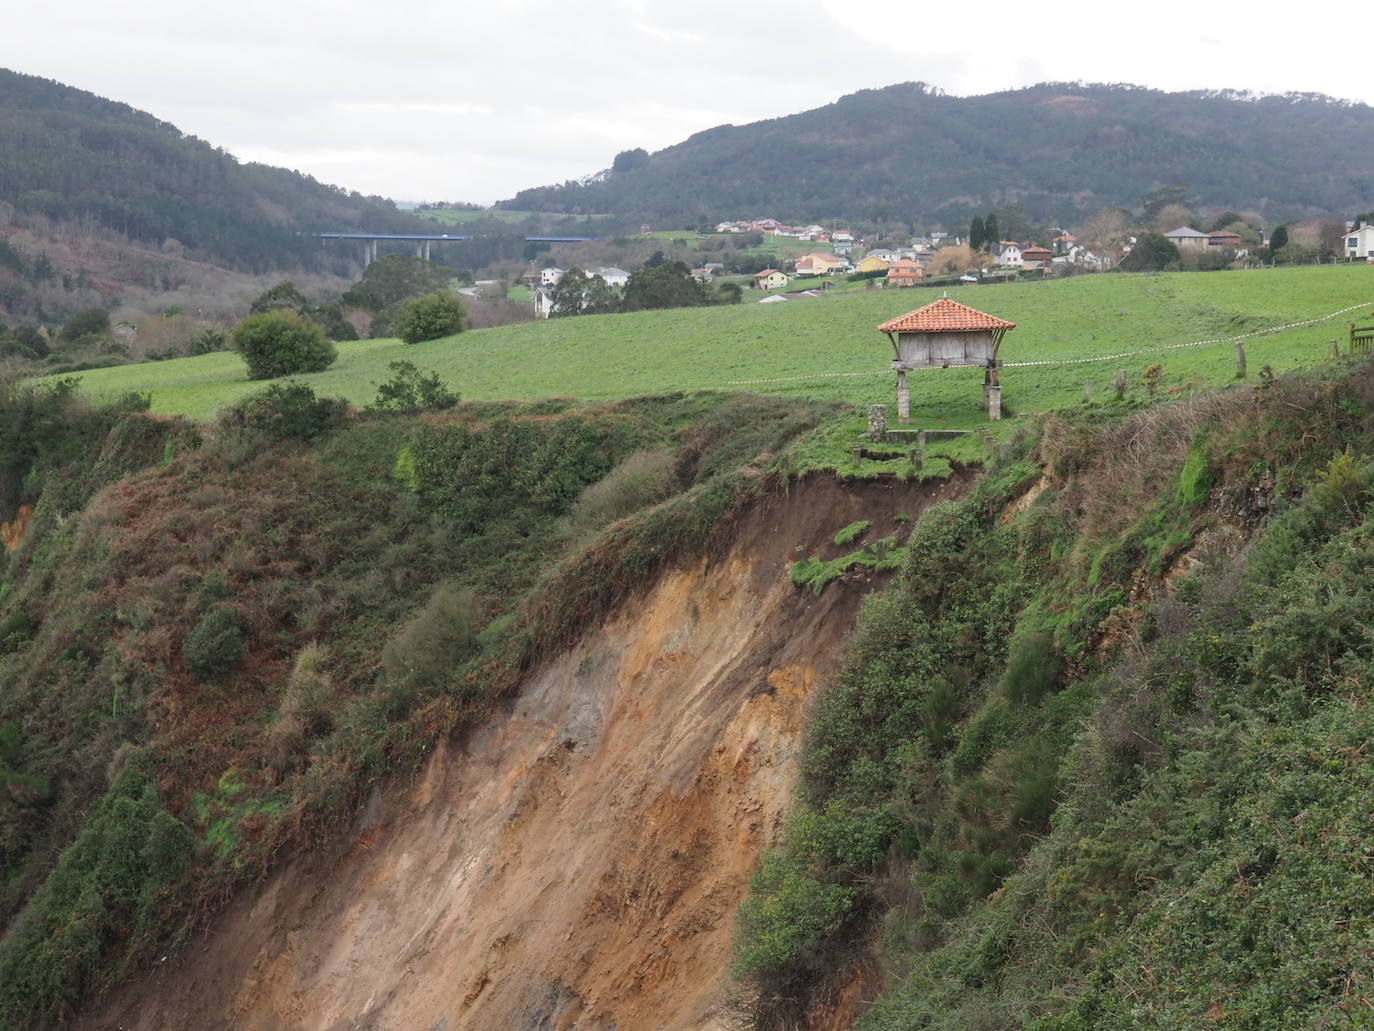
{"x": 289, "y": 410}
{"x": 435, "y": 642}
{"x": 282, "y": 343}
{"x": 215, "y": 644}
{"x": 410, "y": 390}
{"x": 429, "y": 317}
{"x": 104, "y": 892}
{"x": 642, "y": 479}
{"x": 511, "y": 470}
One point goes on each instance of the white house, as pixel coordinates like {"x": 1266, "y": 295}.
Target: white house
{"x": 612, "y": 275}
{"x": 550, "y": 276}
{"x": 543, "y": 302}
{"x": 1359, "y": 243}
{"x": 842, "y": 236}
{"x": 1009, "y": 253}
{"x": 1079, "y": 255}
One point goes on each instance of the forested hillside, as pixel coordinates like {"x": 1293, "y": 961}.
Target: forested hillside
{"x": 1060, "y": 150}
{"x": 73, "y": 156}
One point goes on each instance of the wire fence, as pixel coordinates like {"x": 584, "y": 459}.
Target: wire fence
{"x": 1078, "y": 361}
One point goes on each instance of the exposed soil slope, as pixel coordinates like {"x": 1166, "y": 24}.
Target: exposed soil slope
{"x": 578, "y": 861}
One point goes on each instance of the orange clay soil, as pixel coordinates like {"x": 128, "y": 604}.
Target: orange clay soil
{"x": 576, "y": 862}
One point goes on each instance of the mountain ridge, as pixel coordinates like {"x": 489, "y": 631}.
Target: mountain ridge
{"x": 1060, "y": 150}
{"x": 71, "y": 155}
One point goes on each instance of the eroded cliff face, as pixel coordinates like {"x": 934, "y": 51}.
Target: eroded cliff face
{"x": 577, "y": 862}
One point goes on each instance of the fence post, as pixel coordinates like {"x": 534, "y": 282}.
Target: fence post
{"x": 1240, "y": 359}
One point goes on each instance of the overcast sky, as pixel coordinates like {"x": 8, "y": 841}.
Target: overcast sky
{"x": 461, "y": 100}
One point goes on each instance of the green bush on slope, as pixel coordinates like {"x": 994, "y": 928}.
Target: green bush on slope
{"x": 1137, "y": 814}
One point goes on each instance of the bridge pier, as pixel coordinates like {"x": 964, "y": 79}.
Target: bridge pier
{"x": 422, "y": 249}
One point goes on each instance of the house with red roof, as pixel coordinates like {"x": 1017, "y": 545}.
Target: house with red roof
{"x": 1224, "y": 239}
{"x": 905, "y": 273}
{"x": 770, "y": 279}
{"x": 946, "y": 334}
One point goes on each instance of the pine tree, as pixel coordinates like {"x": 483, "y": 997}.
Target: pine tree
{"x": 976, "y": 233}
{"x": 992, "y": 232}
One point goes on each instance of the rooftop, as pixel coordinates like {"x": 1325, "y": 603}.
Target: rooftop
{"x": 1186, "y": 233}
{"x": 945, "y": 316}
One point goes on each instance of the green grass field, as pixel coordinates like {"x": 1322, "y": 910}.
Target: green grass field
{"x": 597, "y": 357}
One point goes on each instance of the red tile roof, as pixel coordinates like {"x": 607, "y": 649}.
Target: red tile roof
{"x": 945, "y": 316}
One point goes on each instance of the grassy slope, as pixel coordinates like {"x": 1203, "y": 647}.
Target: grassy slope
{"x": 1067, "y": 792}
{"x": 690, "y": 349}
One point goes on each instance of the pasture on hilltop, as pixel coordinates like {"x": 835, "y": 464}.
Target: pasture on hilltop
{"x": 828, "y": 348}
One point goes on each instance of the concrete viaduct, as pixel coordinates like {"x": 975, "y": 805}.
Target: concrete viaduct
{"x": 423, "y": 241}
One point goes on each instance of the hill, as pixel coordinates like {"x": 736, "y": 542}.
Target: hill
{"x": 82, "y": 160}
{"x": 1058, "y": 150}
{"x": 477, "y": 718}
{"x": 828, "y": 347}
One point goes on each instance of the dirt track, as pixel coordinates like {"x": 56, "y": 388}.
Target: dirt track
{"x": 577, "y": 863}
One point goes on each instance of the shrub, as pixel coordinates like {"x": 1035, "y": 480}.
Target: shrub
{"x": 1033, "y": 666}
{"x": 291, "y": 410}
{"x": 435, "y": 315}
{"x": 434, "y": 643}
{"x": 644, "y": 478}
{"x": 281, "y": 343}
{"x": 215, "y": 645}
{"x": 304, "y": 711}
{"x": 207, "y": 341}
{"x": 91, "y": 322}
{"x": 410, "y": 390}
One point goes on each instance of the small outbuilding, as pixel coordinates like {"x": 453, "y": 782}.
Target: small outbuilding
{"x": 946, "y": 333}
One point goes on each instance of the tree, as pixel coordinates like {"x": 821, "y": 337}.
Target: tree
{"x": 395, "y": 278}
{"x": 960, "y": 258}
{"x": 1171, "y": 217}
{"x": 629, "y": 160}
{"x": 283, "y": 295}
{"x": 430, "y": 317}
{"x": 992, "y": 230}
{"x": 91, "y": 322}
{"x": 1278, "y": 239}
{"x": 282, "y": 343}
{"x": 665, "y": 286}
{"x": 1224, "y": 221}
{"x": 1014, "y": 223}
{"x": 1105, "y": 234}
{"x": 1150, "y": 253}
{"x": 977, "y": 233}
{"x": 1158, "y": 199}
{"x": 569, "y": 293}
{"x": 600, "y": 298}
{"x": 1331, "y": 238}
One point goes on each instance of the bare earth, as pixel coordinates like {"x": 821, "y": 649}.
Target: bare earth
{"x": 578, "y": 861}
